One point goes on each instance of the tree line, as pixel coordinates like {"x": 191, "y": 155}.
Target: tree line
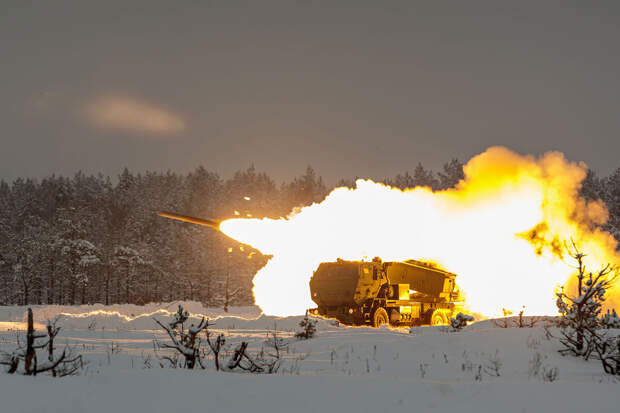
{"x": 91, "y": 239}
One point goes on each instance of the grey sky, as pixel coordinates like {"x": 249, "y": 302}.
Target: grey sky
{"x": 365, "y": 88}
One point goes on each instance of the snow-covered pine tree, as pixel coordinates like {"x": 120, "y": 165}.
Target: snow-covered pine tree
{"x": 308, "y": 328}
{"x": 580, "y": 312}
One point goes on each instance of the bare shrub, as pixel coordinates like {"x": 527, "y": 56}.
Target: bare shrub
{"x": 518, "y": 321}
{"x": 535, "y": 365}
{"x": 216, "y": 346}
{"x": 62, "y": 365}
{"x": 241, "y": 359}
{"x": 550, "y": 373}
{"x": 478, "y": 375}
{"x": 266, "y": 361}
{"x": 185, "y": 340}
{"x": 271, "y": 358}
{"x": 537, "y": 368}
{"x": 492, "y": 364}
{"x": 607, "y": 349}
{"x": 460, "y": 321}
{"x": 423, "y": 369}
{"x": 501, "y": 322}
{"x": 532, "y": 342}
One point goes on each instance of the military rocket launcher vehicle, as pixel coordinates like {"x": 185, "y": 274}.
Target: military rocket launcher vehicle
{"x": 360, "y": 293}
{"x": 399, "y": 293}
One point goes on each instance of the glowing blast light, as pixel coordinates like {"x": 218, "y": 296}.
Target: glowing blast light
{"x": 498, "y": 229}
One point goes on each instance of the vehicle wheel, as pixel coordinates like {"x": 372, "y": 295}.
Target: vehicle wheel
{"x": 379, "y": 317}
{"x": 440, "y": 317}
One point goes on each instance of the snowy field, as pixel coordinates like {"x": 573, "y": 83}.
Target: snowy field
{"x": 343, "y": 369}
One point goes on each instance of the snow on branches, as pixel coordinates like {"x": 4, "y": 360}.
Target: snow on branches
{"x": 610, "y": 320}
{"x": 187, "y": 343}
{"x": 26, "y": 361}
{"x": 579, "y": 313}
{"x": 185, "y": 340}
{"x": 607, "y": 350}
{"x": 460, "y": 321}
{"x": 583, "y": 331}
{"x": 266, "y": 361}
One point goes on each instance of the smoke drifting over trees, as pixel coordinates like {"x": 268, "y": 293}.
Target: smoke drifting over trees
{"x": 92, "y": 239}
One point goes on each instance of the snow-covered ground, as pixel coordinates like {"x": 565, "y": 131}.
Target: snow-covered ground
{"x": 480, "y": 369}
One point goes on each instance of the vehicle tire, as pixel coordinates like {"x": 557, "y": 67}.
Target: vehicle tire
{"x": 440, "y": 317}
{"x": 379, "y": 317}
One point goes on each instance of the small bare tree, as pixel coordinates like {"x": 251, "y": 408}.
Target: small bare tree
{"x": 228, "y": 293}
{"x": 521, "y": 320}
{"x": 185, "y": 340}
{"x": 492, "y": 365}
{"x": 59, "y": 366}
{"x": 607, "y": 350}
{"x": 266, "y": 361}
{"x": 241, "y": 359}
{"x": 216, "y": 347}
{"x": 272, "y": 357}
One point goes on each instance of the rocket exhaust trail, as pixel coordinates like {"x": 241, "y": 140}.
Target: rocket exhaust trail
{"x": 211, "y": 223}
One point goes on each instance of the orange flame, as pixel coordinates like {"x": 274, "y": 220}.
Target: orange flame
{"x": 502, "y": 230}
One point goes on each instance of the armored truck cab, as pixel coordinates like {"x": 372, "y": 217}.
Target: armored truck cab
{"x": 400, "y": 293}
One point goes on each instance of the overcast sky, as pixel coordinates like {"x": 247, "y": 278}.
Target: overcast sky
{"x": 355, "y": 88}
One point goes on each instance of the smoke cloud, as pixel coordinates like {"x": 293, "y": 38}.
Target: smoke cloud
{"x": 502, "y": 229}
{"x": 132, "y": 114}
